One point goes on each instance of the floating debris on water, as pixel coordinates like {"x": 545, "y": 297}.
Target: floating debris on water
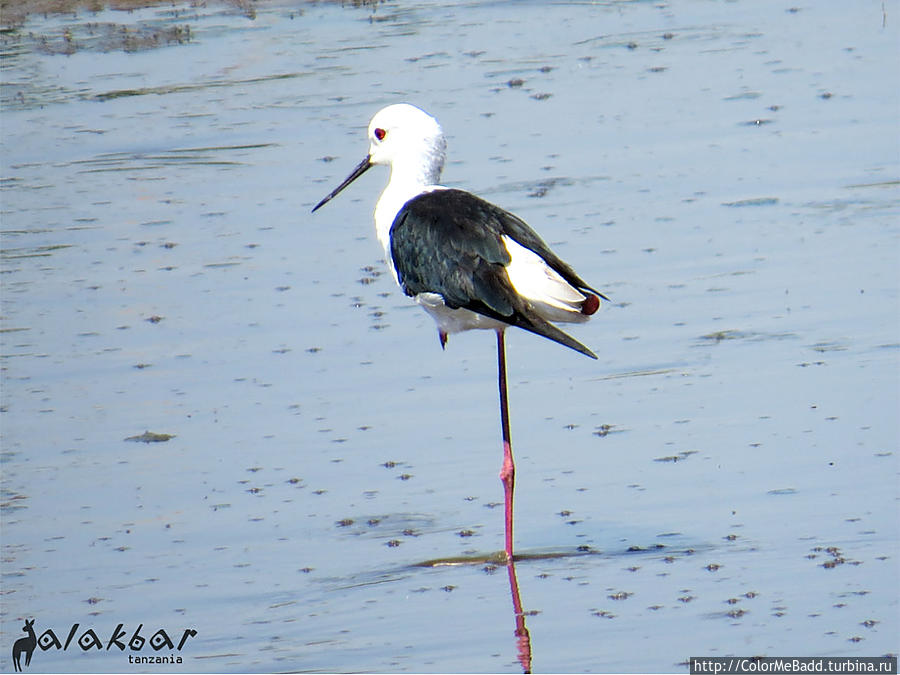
{"x": 758, "y": 201}
{"x": 151, "y": 437}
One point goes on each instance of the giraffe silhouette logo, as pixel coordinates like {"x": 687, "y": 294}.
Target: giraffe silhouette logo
{"x": 24, "y": 645}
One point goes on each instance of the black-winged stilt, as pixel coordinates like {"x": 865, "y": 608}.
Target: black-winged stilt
{"x": 468, "y": 263}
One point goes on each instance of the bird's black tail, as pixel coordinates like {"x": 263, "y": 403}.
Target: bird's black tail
{"x": 535, "y": 324}
{"x": 523, "y": 315}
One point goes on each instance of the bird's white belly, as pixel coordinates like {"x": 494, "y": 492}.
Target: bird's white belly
{"x": 455, "y": 320}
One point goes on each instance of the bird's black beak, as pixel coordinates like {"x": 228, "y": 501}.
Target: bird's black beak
{"x": 360, "y": 169}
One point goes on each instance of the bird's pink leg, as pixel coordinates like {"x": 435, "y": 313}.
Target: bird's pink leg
{"x": 508, "y": 470}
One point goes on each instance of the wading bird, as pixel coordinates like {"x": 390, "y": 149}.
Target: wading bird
{"x": 468, "y": 263}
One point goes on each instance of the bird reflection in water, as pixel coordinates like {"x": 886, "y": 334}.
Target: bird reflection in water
{"x": 491, "y": 563}
{"x": 523, "y": 637}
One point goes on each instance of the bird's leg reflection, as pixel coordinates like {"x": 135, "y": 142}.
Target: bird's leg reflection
{"x": 523, "y": 638}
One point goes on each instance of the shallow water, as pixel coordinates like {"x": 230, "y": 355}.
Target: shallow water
{"x": 722, "y": 481}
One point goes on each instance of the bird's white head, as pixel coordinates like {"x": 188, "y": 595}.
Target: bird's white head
{"x": 406, "y": 137}
{"x": 411, "y": 142}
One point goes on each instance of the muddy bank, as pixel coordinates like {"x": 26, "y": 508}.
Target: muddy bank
{"x": 13, "y": 13}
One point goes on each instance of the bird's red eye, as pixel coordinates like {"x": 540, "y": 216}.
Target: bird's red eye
{"x": 380, "y": 134}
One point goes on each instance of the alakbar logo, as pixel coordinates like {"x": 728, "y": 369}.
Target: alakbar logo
{"x": 25, "y": 646}
{"x": 88, "y": 640}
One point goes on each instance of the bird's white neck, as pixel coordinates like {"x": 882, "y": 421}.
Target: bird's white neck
{"x": 408, "y": 179}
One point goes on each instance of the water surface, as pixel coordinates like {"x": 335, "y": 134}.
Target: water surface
{"x": 722, "y": 481}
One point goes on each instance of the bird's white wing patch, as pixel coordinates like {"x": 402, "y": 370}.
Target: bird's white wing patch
{"x": 552, "y": 296}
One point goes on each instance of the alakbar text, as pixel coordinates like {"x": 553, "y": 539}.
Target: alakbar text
{"x": 119, "y": 638}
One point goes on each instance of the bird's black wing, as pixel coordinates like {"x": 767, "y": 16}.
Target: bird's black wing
{"x": 518, "y": 230}
{"x": 449, "y": 242}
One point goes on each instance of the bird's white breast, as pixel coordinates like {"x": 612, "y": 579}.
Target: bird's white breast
{"x": 393, "y": 199}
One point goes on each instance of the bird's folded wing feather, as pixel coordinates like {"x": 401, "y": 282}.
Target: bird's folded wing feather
{"x": 450, "y": 242}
